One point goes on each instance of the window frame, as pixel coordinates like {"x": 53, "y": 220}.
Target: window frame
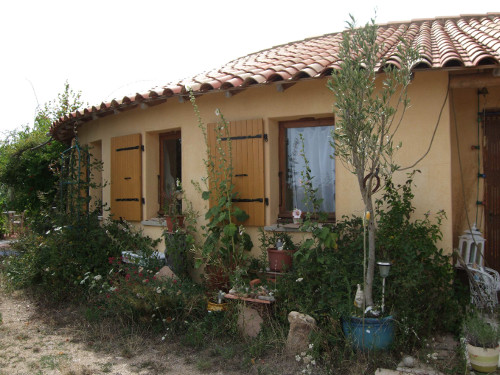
{"x": 171, "y": 135}
{"x": 284, "y": 214}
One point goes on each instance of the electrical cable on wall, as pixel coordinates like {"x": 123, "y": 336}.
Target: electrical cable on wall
{"x": 435, "y": 130}
{"x": 462, "y": 184}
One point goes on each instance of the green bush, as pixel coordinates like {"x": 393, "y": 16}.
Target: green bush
{"x": 3, "y": 226}
{"x": 323, "y": 279}
{"x": 133, "y": 294}
{"x": 478, "y": 332}
{"x": 419, "y": 290}
{"x": 58, "y": 258}
{"x": 420, "y": 286}
{"x": 28, "y": 157}
{"x": 55, "y": 259}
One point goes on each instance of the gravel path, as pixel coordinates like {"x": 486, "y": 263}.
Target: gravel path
{"x": 33, "y": 343}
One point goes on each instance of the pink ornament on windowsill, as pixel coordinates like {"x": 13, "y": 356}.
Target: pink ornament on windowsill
{"x": 297, "y": 216}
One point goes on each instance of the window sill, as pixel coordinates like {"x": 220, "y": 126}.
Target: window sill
{"x": 154, "y": 222}
{"x": 283, "y": 228}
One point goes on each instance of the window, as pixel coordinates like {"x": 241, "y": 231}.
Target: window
{"x": 317, "y": 135}
{"x": 170, "y": 165}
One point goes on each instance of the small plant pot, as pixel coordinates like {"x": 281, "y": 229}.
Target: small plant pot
{"x": 174, "y": 222}
{"x": 369, "y": 333}
{"x": 213, "y": 306}
{"x": 483, "y": 360}
{"x": 280, "y": 260}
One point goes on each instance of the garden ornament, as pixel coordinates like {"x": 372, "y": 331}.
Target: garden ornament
{"x": 359, "y": 298}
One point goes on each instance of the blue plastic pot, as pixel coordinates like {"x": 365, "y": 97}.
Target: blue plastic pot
{"x": 369, "y": 333}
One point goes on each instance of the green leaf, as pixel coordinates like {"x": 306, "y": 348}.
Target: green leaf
{"x": 230, "y": 230}
{"x": 239, "y": 214}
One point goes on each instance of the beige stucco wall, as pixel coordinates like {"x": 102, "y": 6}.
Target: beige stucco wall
{"x": 466, "y": 191}
{"x": 305, "y": 99}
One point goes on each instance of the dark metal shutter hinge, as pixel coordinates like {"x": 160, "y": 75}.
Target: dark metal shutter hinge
{"x": 130, "y": 148}
{"x": 264, "y": 136}
{"x": 246, "y": 200}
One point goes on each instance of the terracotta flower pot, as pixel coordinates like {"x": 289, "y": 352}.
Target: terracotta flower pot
{"x": 174, "y": 222}
{"x": 280, "y": 260}
{"x": 483, "y": 360}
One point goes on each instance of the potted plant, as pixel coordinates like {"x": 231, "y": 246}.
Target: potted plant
{"x": 215, "y": 303}
{"x": 366, "y": 124}
{"x": 482, "y": 343}
{"x": 280, "y": 248}
{"x": 172, "y": 206}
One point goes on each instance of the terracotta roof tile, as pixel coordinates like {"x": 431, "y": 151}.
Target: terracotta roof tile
{"x": 466, "y": 40}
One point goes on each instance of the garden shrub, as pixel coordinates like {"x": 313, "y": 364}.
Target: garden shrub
{"x": 133, "y": 294}
{"x": 3, "y": 226}
{"x": 323, "y": 279}
{"x": 419, "y": 289}
{"x": 420, "y": 285}
{"x": 57, "y": 258}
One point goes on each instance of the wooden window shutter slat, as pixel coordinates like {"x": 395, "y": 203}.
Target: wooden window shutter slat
{"x": 248, "y": 166}
{"x": 126, "y": 177}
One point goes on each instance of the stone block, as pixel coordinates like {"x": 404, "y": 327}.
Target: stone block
{"x": 301, "y": 326}
{"x": 249, "y": 321}
{"x": 165, "y": 273}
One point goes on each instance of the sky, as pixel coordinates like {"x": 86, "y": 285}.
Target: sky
{"x": 107, "y": 49}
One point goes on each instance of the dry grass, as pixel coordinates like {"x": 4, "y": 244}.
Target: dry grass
{"x": 52, "y": 339}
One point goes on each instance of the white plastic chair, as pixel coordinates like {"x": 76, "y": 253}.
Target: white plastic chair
{"x": 483, "y": 288}
{"x": 496, "y": 277}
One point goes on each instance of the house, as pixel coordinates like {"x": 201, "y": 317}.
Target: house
{"x": 451, "y": 132}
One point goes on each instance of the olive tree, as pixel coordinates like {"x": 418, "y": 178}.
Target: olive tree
{"x": 370, "y": 102}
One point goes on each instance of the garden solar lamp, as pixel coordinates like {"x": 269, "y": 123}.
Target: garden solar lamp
{"x": 384, "y": 268}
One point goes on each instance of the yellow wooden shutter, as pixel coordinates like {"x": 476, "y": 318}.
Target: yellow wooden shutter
{"x": 247, "y": 142}
{"x": 126, "y": 177}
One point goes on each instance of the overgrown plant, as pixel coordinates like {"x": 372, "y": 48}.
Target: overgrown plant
{"x": 226, "y": 243}
{"x": 420, "y": 269}
{"x": 172, "y": 199}
{"x": 269, "y": 240}
{"x": 27, "y": 154}
{"x": 367, "y": 119}
{"x": 419, "y": 293}
{"x": 480, "y": 333}
{"x": 134, "y": 293}
{"x": 181, "y": 221}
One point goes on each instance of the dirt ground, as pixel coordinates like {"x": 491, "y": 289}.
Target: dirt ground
{"x": 39, "y": 341}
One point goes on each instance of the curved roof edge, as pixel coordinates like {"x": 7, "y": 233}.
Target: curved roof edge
{"x": 466, "y": 41}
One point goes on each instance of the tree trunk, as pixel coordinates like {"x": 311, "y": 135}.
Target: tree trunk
{"x": 370, "y": 271}
{"x": 366, "y": 193}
